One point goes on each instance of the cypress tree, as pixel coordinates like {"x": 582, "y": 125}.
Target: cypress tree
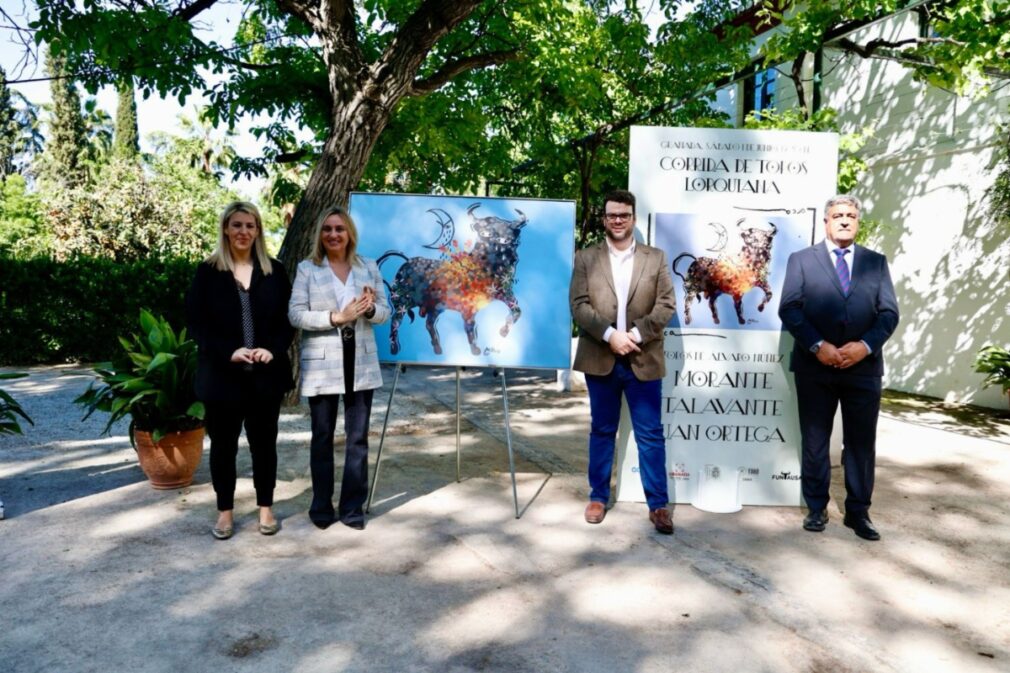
{"x": 67, "y": 134}
{"x": 10, "y": 130}
{"x": 127, "y": 143}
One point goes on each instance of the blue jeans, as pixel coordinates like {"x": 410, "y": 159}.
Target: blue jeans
{"x": 644, "y": 401}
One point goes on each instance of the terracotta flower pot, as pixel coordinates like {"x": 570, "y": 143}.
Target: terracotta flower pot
{"x": 171, "y": 462}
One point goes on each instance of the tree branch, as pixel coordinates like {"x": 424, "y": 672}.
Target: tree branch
{"x": 395, "y": 70}
{"x": 292, "y": 157}
{"x": 307, "y": 11}
{"x": 903, "y": 56}
{"x": 190, "y": 11}
{"x": 453, "y": 68}
{"x": 258, "y": 67}
{"x": 867, "y": 50}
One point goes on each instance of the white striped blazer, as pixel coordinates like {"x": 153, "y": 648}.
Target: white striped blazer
{"x": 313, "y": 296}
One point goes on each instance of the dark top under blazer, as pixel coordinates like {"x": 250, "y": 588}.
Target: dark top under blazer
{"x": 813, "y": 307}
{"x": 214, "y": 319}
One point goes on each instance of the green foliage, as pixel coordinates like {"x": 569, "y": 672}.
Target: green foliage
{"x": 20, "y": 138}
{"x": 999, "y": 192}
{"x": 571, "y": 78}
{"x": 151, "y": 380}
{"x": 23, "y": 231}
{"x": 967, "y": 49}
{"x": 130, "y": 214}
{"x": 126, "y": 142}
{"x": 62, "y": 161}
{"x": 10, "y": 409}
{"x": 994, "y": 362}
{"x": 64, "y": 312}
{"x": 9, "y": 128}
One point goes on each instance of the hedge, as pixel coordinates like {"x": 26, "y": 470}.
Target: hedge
{"x": 73, "y": 311}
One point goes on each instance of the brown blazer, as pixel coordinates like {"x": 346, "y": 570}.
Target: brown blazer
{"x": 651, "y": 304}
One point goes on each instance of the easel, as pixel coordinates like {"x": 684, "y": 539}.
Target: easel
{"x": 508, "y": 434}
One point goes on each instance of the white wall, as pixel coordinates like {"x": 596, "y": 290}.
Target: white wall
{"x": 930, "y": 164}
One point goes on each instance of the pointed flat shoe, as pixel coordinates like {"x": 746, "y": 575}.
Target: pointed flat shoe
{"x": 222, "y": 533}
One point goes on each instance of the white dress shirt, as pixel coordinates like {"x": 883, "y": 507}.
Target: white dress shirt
{"x": 622, "y": 263}
{"x": 346, "y": 291}
{"x": 833, "y": 257}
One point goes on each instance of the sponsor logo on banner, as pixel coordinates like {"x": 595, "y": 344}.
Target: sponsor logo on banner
{"x": 749, "y": 473}
{"x": 680, "y": 472}
{"x": 787, "y": 476}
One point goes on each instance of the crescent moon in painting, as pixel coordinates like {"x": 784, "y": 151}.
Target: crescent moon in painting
{"x": 448, "y": 229}
{"x": 720, "y": 230}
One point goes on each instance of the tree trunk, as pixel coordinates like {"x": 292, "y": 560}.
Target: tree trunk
{"x": 353, "y": 135}
{"x": 345, "y": 155}
{"x": 585, "y": 157}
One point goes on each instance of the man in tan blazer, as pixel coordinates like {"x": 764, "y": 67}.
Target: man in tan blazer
{"x": 621, "y": 298}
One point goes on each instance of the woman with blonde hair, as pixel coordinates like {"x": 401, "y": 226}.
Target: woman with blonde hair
{"x": 235, "y": 310}
{"x": 337, "y": 297}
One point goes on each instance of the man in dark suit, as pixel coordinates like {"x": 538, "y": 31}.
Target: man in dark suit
{"x": 838, "y": 303}
{"x": 621, "y": 298}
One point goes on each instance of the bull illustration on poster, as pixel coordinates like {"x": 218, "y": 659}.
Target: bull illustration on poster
{"x": 471, "y": 281}
{"x": 724, "y": 276}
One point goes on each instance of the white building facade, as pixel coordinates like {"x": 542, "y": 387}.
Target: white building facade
{"x": 931, "y": 162}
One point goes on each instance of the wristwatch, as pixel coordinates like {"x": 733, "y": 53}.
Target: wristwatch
{"x": 816, "y": 347}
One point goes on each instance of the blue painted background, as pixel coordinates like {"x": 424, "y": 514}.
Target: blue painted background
{"x": 542, "y": 335}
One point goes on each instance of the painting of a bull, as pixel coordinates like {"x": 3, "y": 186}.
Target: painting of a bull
{"x": 733, "y": 274}
{"x": 461, "y": 280}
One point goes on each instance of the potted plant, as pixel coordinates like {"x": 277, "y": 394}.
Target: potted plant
{"x": 152, "y": 382}
{"x": 994, "y": 362}
{"x": 10, "y": 409}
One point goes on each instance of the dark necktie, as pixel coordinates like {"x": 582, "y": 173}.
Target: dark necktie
{"x": 842, "y": 269}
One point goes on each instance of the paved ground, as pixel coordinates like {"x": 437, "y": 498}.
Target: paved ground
{"x": 103, "y": 573}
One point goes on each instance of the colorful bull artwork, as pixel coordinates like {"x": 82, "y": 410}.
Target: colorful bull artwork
{"x": 734, "y": 274}
{"x": 463, "y": 279}
{"x": 472, "y": 281}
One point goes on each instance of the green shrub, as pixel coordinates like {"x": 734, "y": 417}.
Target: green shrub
{"x": 10, "y": 409}
{"x": 75, "y": 310}
{"x": 152, "y": 380}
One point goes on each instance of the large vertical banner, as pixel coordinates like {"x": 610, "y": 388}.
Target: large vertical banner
{"x": 472, "y": 281}
{"x": 728, "y": 207}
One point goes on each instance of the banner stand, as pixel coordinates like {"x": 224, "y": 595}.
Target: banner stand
{"x": 508, "y": 434}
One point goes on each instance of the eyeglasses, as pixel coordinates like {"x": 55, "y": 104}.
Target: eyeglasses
{"x": 618, "y": 217}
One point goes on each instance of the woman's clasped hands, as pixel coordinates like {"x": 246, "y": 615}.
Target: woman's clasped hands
{"x": 252, "y": 355}
{"x": 360, "y": 306}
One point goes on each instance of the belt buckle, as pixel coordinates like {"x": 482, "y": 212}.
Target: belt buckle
{"x": 347, "y": 332}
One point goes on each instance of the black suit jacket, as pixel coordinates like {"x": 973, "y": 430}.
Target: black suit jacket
{"x": 813, "y": 307}
{"x": 214, "y": 319}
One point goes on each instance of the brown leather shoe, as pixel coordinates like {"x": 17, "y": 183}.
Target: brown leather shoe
{"x": 662, "y": 520}
{"x": 595, "y": 511}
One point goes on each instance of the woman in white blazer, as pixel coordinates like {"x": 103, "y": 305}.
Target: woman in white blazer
{"x": 336, "y": 298}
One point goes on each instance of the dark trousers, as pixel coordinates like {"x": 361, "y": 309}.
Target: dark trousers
{"x": 818, "y": 397}
{"x": 644, "y": 401}
{"x": 224, "y": 421}
{"x": 354, "y": 485}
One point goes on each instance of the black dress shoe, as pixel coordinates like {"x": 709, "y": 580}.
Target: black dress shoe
{"x": 356, "y": 524}
{"x": 321, "y": 523}
{"x": 863, "y": 527}
{"x": 816, "y": 520}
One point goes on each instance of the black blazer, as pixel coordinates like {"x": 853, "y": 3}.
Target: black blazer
{"x": 214, "y": 319}
{"x": 813, "y": 307}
